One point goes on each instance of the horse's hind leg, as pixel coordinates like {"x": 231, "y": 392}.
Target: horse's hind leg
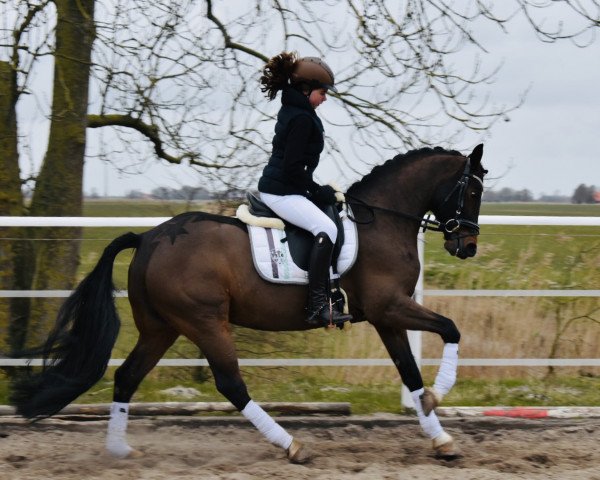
{"x": 216, "y": 342}
{"x": 150, "y": 347}
{"x": 398, "y": 346}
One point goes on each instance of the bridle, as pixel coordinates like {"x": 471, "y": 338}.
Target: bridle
{"x": 454, "y": 224}
{"x": 451, "y": 225}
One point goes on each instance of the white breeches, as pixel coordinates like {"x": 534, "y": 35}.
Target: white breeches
{"x": 302, "y": 212}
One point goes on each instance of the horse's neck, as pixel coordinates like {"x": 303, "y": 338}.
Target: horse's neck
{"x": 408, "y": 190}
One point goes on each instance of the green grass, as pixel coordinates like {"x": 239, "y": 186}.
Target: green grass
{"x": 522, "y": 257}
{"x": 553, "y": 391}
{"x": 519, "y": 257}
{"x": 514, "y": 257}
{"x": 367, "y": 398}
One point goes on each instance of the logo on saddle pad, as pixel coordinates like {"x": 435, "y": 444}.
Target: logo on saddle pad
{"x": 274, "y": 260}
{"x": 277, "y": 256}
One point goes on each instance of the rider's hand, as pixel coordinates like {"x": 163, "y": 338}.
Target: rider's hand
{"x": 325, "y": 195}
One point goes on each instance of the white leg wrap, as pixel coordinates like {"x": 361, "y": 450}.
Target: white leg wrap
{"x": 267, "y": 426}
{"x": 430, "y": 424}
{"x": 446, "y": 376}
{"x": 116, "y": 443}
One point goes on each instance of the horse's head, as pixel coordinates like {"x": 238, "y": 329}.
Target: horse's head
{"x": 457, "y": 206}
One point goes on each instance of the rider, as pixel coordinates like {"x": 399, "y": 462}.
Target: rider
{"x": 287, "y": 185}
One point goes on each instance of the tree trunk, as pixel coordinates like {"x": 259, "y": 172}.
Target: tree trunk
{"x": 58, "y": 189}
{"x": 11, "y": 199}
{"x": 13, "y": 243}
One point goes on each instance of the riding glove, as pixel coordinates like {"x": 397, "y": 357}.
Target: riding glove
{"x": 324, "y": 195}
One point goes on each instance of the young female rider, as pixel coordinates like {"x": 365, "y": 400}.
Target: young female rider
{"x": 287, "y": 185}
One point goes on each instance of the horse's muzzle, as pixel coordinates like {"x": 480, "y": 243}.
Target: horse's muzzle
{"x": 461, "y": 246}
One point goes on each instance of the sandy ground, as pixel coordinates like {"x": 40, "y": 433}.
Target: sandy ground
{"x": 375, "y": 447}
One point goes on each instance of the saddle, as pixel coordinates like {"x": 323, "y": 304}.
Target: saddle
{"x": 281, "y": 250}
{"x": 299, "y": 240}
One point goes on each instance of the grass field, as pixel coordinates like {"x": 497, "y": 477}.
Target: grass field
{"x": 509, "y": 257}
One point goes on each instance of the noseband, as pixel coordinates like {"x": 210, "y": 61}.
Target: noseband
{"x": 449, "y": 226}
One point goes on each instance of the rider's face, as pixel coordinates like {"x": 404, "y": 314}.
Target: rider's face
{"x": 317, "y": 97}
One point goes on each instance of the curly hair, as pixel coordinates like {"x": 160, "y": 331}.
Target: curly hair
{"x": 277, "y": 73}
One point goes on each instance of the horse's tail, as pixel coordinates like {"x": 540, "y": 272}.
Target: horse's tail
{"x": 79, "y": 347}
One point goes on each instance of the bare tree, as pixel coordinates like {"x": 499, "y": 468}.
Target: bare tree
{"x": 177, "y": 81}
{"x": 58, "y": 186}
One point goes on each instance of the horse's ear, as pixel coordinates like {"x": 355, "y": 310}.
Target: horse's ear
{"x": 476, "y": 154}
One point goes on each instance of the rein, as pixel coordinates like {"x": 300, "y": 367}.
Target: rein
{"x": 452, "y": 225}
{"x": 426, "y": 222}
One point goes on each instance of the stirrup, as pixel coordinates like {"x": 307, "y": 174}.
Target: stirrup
{"x": 327, "y": 316}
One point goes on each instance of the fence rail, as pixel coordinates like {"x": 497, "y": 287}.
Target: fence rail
{"x": 426, "y": 293}
{"x": 153, "y": 221}
{"x": 343, "y": 362}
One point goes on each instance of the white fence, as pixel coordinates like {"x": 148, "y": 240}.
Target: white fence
{"x": 342, "y": 362}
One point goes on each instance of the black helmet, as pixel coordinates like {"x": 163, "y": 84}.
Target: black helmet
{"x": 314, "y": 72}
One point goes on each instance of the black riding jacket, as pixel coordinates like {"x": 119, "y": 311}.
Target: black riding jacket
{"x": 297, "y": 146}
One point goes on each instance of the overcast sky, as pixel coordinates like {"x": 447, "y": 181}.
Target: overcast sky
{"x": 549, "y": 145}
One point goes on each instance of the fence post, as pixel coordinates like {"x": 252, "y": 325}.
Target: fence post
{"x": 414, "y": 337}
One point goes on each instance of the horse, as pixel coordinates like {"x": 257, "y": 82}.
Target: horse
{"x": 193, "y": 275}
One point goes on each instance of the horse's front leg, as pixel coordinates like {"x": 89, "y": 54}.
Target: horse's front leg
{"x": 407, "y": 314}
{"x": 393, "y": 334}
{"x": 397, "y": 345}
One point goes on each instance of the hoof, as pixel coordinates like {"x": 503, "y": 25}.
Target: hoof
{"x": 430, "y": 401}
{"x": 135, "y": 454}
{"x": 124, "y": 453}
{"x": 298, "y": 453}
{"x": 445, "y": 448}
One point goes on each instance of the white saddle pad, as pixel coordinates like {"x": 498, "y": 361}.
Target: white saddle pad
{"x": 273, "y": 260}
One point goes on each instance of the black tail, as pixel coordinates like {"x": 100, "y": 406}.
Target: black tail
{"x": 78, "y": 349}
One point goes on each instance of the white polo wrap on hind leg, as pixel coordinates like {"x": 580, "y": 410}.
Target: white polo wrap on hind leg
{"x": 446, "y": 376}
{"x": 430, "y": 424}
{"x": 266, "y": 425}
{"x": 116, "y": 444}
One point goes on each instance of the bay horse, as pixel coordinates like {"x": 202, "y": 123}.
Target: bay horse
{"x": 193, "y": 275}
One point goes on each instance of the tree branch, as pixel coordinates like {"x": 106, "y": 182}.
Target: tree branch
{"x": 152, "y": 133}
{"x": 228, "y": 42}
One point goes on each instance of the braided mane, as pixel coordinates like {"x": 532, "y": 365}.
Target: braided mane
{"x": 399, "y": 161}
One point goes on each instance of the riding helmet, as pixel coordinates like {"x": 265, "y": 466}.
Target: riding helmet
{"x": 314, "y": 72}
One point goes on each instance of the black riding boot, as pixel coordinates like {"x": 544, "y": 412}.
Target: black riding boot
{"x": 319, "y": 310}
